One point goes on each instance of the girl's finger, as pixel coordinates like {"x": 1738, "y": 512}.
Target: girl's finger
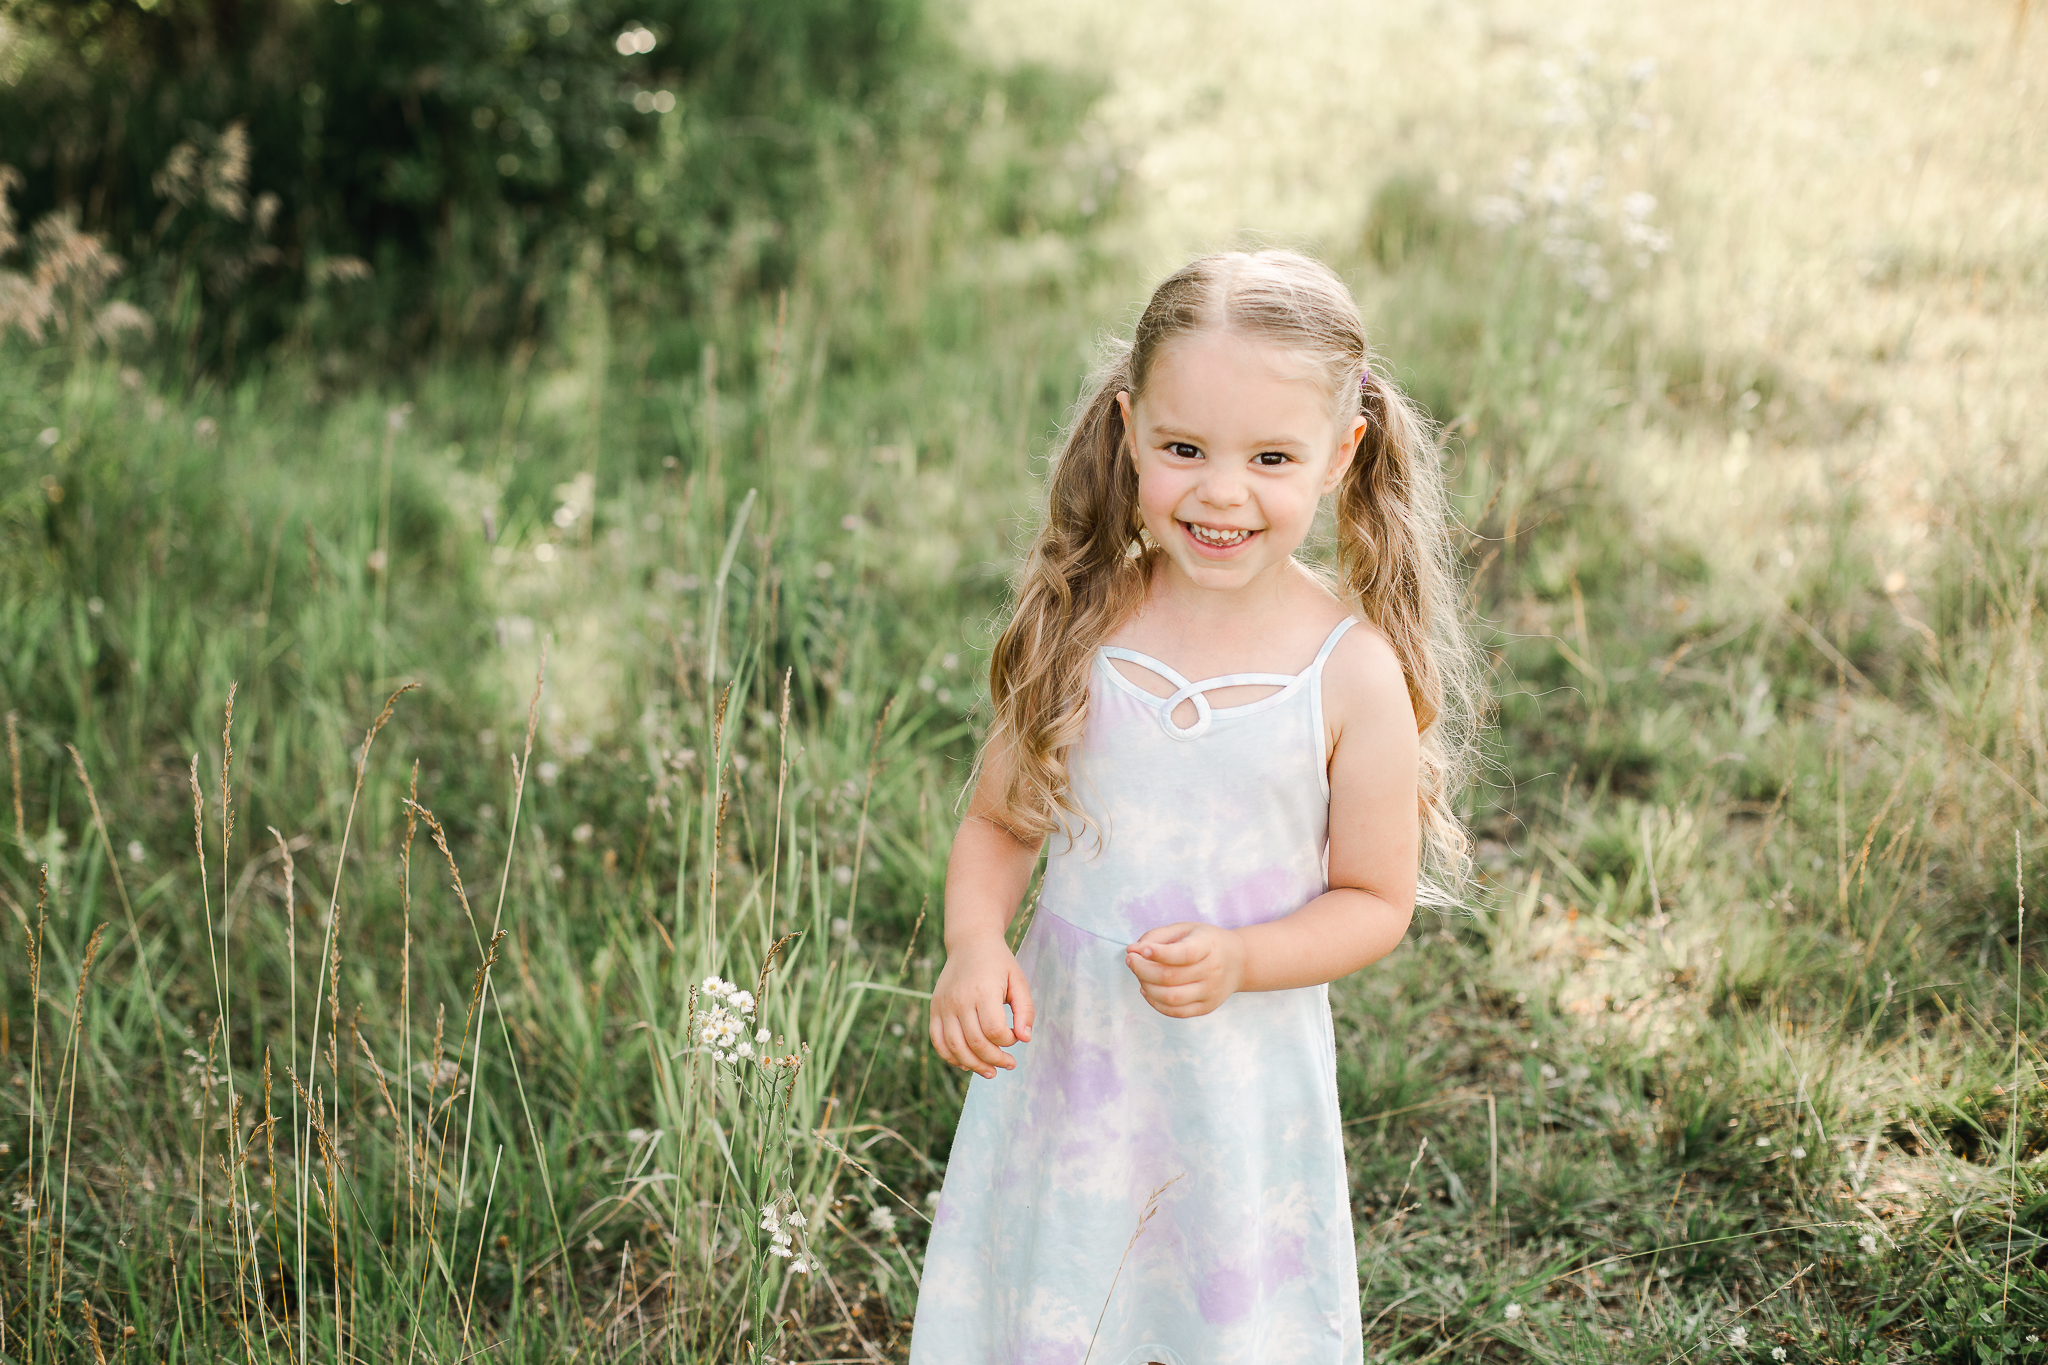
{"x": 984, "y": 1055}
{"x": 942, "y": 1040}
{"x": 994, "y": 1024}
{"x": 962, "y": 1054}
{"x": 1020, "y": 1003}
{"x": 1179, "y": 952}
{"x": 1169, "y": 933}
{"x": 1158, "y": 973}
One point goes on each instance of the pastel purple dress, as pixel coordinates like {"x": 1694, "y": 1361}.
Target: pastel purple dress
{"x": 1229, "y": 1119}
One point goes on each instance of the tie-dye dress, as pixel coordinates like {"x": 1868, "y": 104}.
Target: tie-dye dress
{"x": 1229, "y": 1120}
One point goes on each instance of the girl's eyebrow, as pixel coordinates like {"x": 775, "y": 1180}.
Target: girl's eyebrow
{"x": 1172, "y": 433}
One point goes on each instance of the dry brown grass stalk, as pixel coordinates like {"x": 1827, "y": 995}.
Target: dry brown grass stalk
{"x": 35, "y": 1055}
{"x": 483, "y": 1231}
{"x": 99, "y": 822}
{"x": 92, "y": 1332}
{"x": 403, "y": 1122}
{"x": 1151, "y": 1208}
{"x": 269, "y": 1127}
{"x": 70, "y": 1064}
{"x": 2012, "y": 1139}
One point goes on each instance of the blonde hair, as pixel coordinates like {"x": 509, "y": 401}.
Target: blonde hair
{"x": 1089, "y": 563}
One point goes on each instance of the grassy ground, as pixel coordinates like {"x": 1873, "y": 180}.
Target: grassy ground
{"x": 1734, "y": 1052}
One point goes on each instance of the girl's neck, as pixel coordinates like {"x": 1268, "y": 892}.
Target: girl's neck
{"x": 1179, "y": 614}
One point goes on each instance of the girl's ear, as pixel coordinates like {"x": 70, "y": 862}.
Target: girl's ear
{"x": 1130, "y": 441}
{"x": 1347, "y": 451}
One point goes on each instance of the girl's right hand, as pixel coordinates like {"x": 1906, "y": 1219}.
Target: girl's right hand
{"x": 969, "y": 1029}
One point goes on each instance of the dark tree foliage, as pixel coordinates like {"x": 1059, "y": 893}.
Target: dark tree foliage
{"x": 250, "y": 158}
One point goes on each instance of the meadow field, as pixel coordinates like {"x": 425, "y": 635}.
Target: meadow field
{"x": 398, "y": 750}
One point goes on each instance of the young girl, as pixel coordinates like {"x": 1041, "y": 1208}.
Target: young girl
{"x": 1238, "y": 763}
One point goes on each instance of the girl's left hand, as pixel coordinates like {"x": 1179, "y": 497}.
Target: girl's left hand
{"x": 1187, "y": 969}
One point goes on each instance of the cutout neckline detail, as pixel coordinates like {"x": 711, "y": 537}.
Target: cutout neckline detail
{"x": 1187, "y": 691}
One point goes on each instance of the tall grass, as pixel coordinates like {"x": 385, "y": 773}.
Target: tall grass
{"x": 1737, "y": 1051}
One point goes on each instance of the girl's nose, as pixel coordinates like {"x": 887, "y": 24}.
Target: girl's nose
{"x": 1223, "y": 488}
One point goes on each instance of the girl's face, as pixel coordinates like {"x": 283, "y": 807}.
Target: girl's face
{"x": 1235, "y": 441}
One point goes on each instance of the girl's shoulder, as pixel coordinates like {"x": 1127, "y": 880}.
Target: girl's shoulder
{"x": 1364, "y": 683}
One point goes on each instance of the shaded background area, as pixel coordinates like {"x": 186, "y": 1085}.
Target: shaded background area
{"x": 717, "y": 349}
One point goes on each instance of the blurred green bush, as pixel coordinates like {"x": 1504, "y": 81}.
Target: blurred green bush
{"x": 418, "y": 174}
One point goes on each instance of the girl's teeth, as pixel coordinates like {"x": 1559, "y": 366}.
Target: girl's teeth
{"x": 1218, "y": 538}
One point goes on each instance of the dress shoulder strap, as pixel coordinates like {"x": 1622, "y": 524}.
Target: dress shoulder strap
{"x": 1315, "y": 702}
{"x": 1330, "y": 642}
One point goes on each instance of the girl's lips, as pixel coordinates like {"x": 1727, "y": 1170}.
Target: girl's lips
{"x": 1208, "y": 551}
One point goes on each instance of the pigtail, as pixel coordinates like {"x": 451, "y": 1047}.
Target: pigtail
{"x": 1396, "y": 561}
{"x": 1085, "y": 572}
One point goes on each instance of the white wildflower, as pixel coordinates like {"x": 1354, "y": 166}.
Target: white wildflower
{"x": 1777, "y": 1353}
{"x": 743, "y": 1001}
{"x": 882, "y": 1218}
{"x": 1739, "y": 1338}
{"x": 1763, "y": 1142}
{"x": 1868, "y": 1241}
{"x": 761, "y": 1035}
{"x": 1514, "y": 1310}
{"x": 1799, "y": 1154}
{"x": 784, "y": 1226}
{"x": 801, "y": 1266}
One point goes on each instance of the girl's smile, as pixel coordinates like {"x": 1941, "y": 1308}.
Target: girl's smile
{"x": 1216, "y": 542}
{"x": 1235, "y": 440}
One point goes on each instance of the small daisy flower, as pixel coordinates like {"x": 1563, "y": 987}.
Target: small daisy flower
{"x": 1739, "y": 1338}
{"x": 761, "y": 1035}
{"x": 1777, "y": 1353}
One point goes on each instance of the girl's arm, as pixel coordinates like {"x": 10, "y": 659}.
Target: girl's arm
{"x": 986, "y": 875}
{"x": 1189, "y": 969}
